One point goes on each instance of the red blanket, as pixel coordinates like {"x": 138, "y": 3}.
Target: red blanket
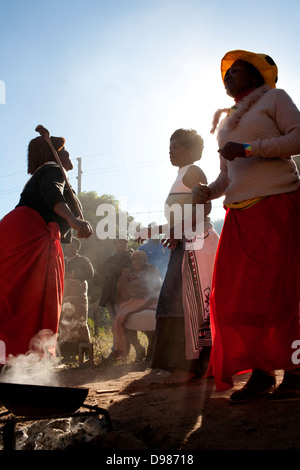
{"x": 31, "y": 278}
{"x": 256, "y": 288}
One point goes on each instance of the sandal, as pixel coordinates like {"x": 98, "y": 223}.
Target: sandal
{"x": 260, "y": 382}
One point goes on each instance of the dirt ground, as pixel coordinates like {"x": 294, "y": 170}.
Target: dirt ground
{"x": 185, "y": 417}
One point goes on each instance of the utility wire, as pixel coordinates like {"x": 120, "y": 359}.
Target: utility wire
{"x": 123, "y": 167}
{"x": 12, "y": 174}
{"x": 120, "y": 151}
{"x": 9, "y": 191}
{"x": 96, "y": 171}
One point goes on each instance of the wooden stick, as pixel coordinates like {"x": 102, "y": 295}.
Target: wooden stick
{"x": 108, "y": 391}
{"x": 46, "y": 134}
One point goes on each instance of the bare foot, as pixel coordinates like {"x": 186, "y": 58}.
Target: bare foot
{"x": 179, "y": 376}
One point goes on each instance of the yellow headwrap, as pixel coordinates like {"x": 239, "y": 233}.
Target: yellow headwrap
{"x": 262, "y": 62}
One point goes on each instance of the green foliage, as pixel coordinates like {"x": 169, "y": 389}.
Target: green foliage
{"x": 102, "y": 340}
{"x": 103, "y": 344}
{"x": 100, "y": 321}
{"x": 93, "y": 248}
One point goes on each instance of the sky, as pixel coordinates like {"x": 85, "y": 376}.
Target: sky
{"x": 117, "y": 77}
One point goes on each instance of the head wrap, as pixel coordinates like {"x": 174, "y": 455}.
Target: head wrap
{"x": 262, "y": 62}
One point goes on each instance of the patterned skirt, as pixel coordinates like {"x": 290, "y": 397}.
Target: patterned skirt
{"x": 183, "y": 335}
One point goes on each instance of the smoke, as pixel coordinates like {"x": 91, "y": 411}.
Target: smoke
{"x": 68, "y": 324}
{"x": 36, "y": 367}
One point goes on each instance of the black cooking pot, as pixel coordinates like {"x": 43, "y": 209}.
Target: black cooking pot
{"x": 41, "y": 401}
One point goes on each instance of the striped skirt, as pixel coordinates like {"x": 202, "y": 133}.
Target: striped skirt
{"x": 183, "y": 336}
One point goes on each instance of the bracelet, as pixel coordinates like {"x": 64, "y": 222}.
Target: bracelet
{"x": 248, "y": 150}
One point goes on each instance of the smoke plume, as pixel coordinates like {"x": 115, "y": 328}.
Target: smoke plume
{"x": 36, "y": 367}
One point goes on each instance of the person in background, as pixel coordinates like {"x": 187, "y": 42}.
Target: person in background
{"x": 31, "y": 258}
{"x": 183, "y": 338}
{"x": 138, "y": 291}
{"x": 255, "y": 298}
{"x": 109, "y": 272}
{"x": 73, "y": 327}
{"x": 157, "y": 254}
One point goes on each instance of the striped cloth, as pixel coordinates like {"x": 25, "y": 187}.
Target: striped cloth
{"x": 197, "y": 271}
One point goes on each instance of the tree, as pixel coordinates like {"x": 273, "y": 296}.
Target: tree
{"x": 95, "y": 249}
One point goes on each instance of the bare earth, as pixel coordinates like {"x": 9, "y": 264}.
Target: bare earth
{"x": 185, "y": 417}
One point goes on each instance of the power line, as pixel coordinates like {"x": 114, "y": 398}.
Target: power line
{"x": 9, "y": 191}
{"x": 12, "y": 174}
{"x": 121, "y": 151}
{"x": 129, "y": 166}
{"x": 116, "y": 168}
{"x": 94, "y": 155}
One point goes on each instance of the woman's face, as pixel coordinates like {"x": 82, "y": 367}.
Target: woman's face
{"x": 179, "y": 154}
{"x": 65, "y": 159}
{"x": 138, "y": 263}
{"x": 238, "y": 79}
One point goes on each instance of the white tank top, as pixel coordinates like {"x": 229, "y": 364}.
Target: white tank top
{"x": 181, "y": 195}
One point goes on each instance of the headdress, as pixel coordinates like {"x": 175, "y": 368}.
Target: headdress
{"x": 262, "y": 62}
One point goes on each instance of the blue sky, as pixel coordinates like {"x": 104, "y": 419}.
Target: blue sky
{"x": 117, "y": 77}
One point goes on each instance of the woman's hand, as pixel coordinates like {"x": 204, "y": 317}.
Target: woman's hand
{"x": 169, "y": 242}
{"x": 201, "y": 193}
{"x": 142, "y": 234}
{"x": 83, "y": 227}
{"x": 232, "y": 150}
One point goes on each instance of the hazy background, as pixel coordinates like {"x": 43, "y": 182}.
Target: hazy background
{"x": 117, "y": 77}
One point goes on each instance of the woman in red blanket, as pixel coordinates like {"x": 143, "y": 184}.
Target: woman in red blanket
{"x": 31, "y": 259}
{"x": 256, "y": 285}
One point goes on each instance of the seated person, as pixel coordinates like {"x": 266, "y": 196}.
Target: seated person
{"x": 73, "y": 324}
{"x": 138, "y": 291}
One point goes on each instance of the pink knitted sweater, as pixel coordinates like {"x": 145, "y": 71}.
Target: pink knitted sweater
{"x": 269, "y": 121}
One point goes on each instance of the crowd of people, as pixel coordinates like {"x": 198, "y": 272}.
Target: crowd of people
{"x": 209, "y": 305}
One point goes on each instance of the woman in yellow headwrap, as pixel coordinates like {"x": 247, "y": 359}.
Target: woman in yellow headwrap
{"x": 255, "y": 293}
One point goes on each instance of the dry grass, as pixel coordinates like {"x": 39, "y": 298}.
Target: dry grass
{"x": 102, "y": 341}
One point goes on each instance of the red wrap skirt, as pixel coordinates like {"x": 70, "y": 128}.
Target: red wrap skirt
{"x": 31, "y": 278}
{"x": 256, "y": 287}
